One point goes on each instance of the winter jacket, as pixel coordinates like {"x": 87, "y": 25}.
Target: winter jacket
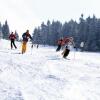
{"x": 60, "y": 42}
{"x": 26, "y": 36}
{"x": 65, "y": 40}
{"x": 12, "y": 37}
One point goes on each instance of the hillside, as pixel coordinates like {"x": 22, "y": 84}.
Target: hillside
{"x": 42, "y": 74}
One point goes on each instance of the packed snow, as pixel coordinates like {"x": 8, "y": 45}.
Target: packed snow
{"x": 42, "y": 74}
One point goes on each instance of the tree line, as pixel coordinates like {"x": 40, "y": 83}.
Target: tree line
{"x": 5, "y": 31}
{"x": 86, "y": 31}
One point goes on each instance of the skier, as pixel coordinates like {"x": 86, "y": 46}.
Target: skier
{"x": 82, "y": 46}
{"x": 12, "y": 38}
{"x": 25, "y": 37}
{"x": 59, "y": 44}
{"x": 68, "y": 41}
{"x": 37, "y": 46}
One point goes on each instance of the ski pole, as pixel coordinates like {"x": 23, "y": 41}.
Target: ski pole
{"x": 31, "y": 48}
{"x": 74, "y": 52}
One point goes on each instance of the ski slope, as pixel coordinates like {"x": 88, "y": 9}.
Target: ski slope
{"x": 42, "y": 74}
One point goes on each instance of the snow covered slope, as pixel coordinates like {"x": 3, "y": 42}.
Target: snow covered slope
{"x": 42, "y": 74}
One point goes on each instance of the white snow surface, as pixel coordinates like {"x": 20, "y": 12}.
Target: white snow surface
{"x": 42, "y": 74}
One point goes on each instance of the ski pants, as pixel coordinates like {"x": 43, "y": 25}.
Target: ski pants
{"x": 65, "y": 53}
{"x": 58, "y": 48}
{"x": 24, "y": 44}
{"x": 13, "y": 44}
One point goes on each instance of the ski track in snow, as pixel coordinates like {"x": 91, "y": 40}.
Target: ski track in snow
{"x": 42, "y": 74}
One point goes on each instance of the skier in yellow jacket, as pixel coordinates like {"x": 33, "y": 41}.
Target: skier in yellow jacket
{"x": 25, "y": 37}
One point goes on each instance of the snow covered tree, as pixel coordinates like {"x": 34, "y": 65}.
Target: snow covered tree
{"x": 17, "y": 36}
{"x": 36, "y": 36}
{"x": 1, "y": 35}
{"x": 5, "y": 30}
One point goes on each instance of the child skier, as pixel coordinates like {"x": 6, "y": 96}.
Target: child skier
{"x": 25, "y": 37}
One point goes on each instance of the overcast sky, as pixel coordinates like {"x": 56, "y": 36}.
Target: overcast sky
{"x": 27, "y": 14}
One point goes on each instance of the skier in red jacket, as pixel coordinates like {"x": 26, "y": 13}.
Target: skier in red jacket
{"x": 59, "y": 44}
{"x": 68, "y": 41}
{"x": 12, "y": 38}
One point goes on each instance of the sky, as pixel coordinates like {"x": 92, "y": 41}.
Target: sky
{"x": 28, "y": 14}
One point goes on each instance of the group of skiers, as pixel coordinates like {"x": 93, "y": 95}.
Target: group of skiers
{"x": 25, "y": 37}
{"x": 63, "y": 42}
